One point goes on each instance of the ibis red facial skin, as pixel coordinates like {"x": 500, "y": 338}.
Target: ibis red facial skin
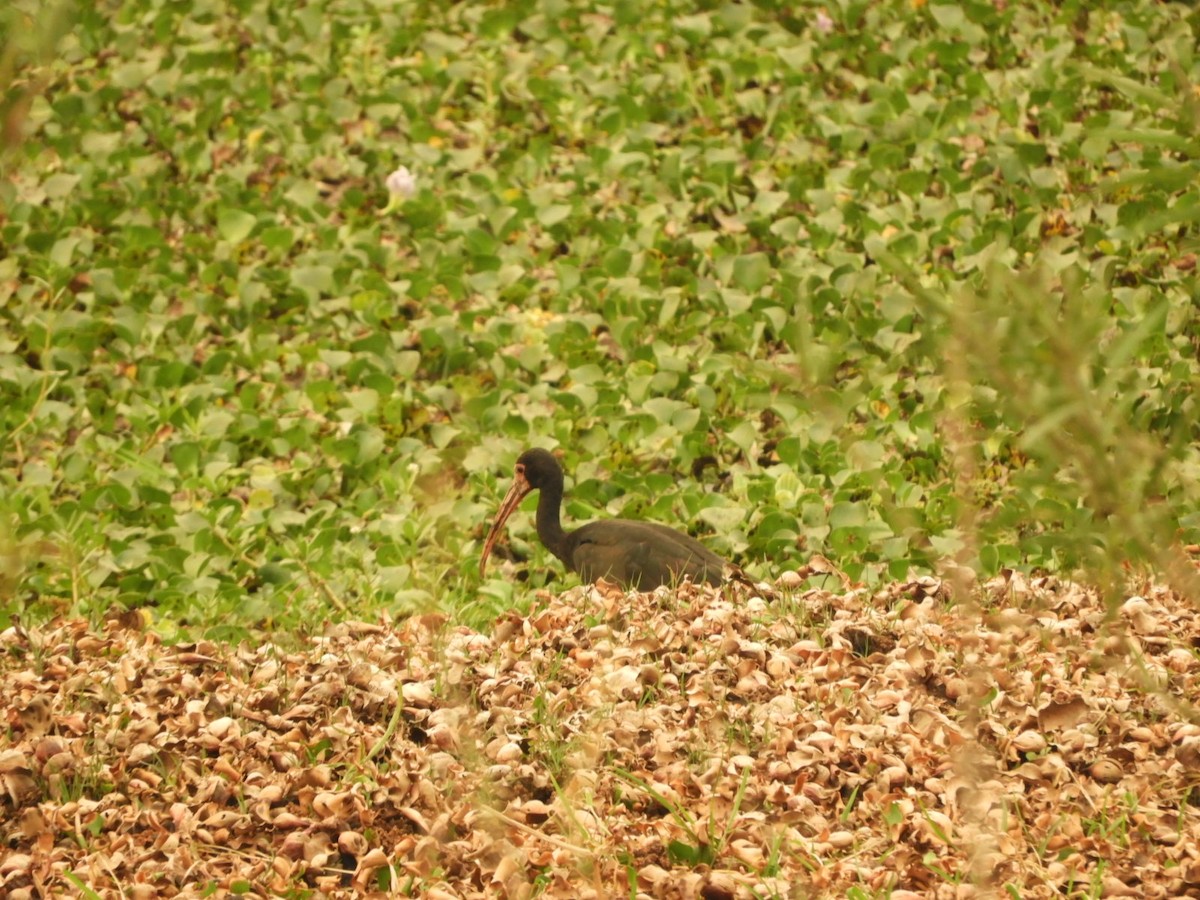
{"x": 636, "y": 555}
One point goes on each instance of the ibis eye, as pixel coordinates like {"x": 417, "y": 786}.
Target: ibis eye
{"x": 520, "y": 468}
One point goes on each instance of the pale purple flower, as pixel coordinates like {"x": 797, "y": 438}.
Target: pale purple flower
{"x": 402, "y": 184}
{"x": 822, "y": 22}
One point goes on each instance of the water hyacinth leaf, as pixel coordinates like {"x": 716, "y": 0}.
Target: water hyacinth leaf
{"x": 723, "y": 518}
{"x": 313, "y": 280}
{"x": 235, "y": 225}
{"x": 752, "y": 271}
{"x": 553, "y": 214}
{"x": 60, "y": 185}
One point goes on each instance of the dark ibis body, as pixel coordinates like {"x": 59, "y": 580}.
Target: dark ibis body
{"x": 640, "y": 555}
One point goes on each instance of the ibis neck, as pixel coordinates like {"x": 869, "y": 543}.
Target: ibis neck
{"x": 549, "y": 526}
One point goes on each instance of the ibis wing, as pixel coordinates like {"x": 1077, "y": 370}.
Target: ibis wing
{"x": 642, "y": 555}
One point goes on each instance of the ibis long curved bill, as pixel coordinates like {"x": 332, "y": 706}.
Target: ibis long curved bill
{"x": 520, "y": 489}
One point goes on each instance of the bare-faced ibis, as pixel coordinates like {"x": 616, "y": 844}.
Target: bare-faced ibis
{"x": 639, "y": 555}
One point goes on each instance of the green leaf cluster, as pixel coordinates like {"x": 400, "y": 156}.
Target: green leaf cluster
{"x": 918, "y": 287}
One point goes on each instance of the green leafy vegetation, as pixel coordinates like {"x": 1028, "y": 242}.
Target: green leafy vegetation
{"x": 899, "y": 283}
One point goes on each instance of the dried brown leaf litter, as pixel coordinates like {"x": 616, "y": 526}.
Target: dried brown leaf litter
{"x": 691, "y": 744}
